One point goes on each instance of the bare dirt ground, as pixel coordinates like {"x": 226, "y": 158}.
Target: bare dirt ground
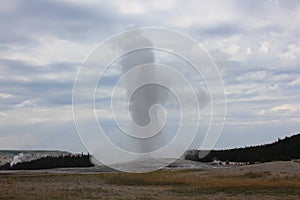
{"x": 275, "y": 180}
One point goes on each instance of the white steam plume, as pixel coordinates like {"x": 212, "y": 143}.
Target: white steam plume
{"x": 143, "y": 101}
{"x": 20, "y": 158}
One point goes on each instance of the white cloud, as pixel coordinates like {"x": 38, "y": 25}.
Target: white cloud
{"x": 203, "y": 14}
{"x": 292, "y": 52}
{"x": 264, "y": 47}
{"x": 286, "y": 109}
{"x": 295, "y": 82}
{"x": 283, "y": 110}
{"x": 254, "y": 76}
{"x": 5, "y": 95}
{"x": 232, "y": 49}
{"x": 50, "y": 50}
{"x": 248, "y": 51}
{"x": 27, "y": 103}
{"x": 26, "y": 114}
{"x": 2, "y": 114}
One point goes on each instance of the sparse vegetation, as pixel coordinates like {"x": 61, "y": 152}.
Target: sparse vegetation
{"x": 50, "y": 162}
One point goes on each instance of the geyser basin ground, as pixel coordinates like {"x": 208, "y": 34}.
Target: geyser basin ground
{"x": 275, "y": 180}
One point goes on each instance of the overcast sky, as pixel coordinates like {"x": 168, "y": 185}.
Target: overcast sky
{"x": 255, "y": 44}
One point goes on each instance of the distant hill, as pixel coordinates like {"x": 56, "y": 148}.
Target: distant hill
{"x": 281, "y": 150}
{"x": 16, "y": 152}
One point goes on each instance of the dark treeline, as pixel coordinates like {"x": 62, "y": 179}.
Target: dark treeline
{"x": 282, "y": 150}
{"x": 50, "y": 162}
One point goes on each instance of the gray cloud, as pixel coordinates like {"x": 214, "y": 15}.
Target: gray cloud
{"x": 51, "y": 85}
{"x": 255, "y": 44}
{"x": 26, "y": 21}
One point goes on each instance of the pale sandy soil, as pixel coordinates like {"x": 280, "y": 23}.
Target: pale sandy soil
{"x": 276, "y": 180}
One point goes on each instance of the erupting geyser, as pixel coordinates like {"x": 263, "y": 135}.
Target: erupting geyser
{"x": 145, "y": 101}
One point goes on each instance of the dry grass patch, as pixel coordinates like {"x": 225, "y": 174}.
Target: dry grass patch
{"x": 186, "y": 183}
{"x": 179, "y": 184}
